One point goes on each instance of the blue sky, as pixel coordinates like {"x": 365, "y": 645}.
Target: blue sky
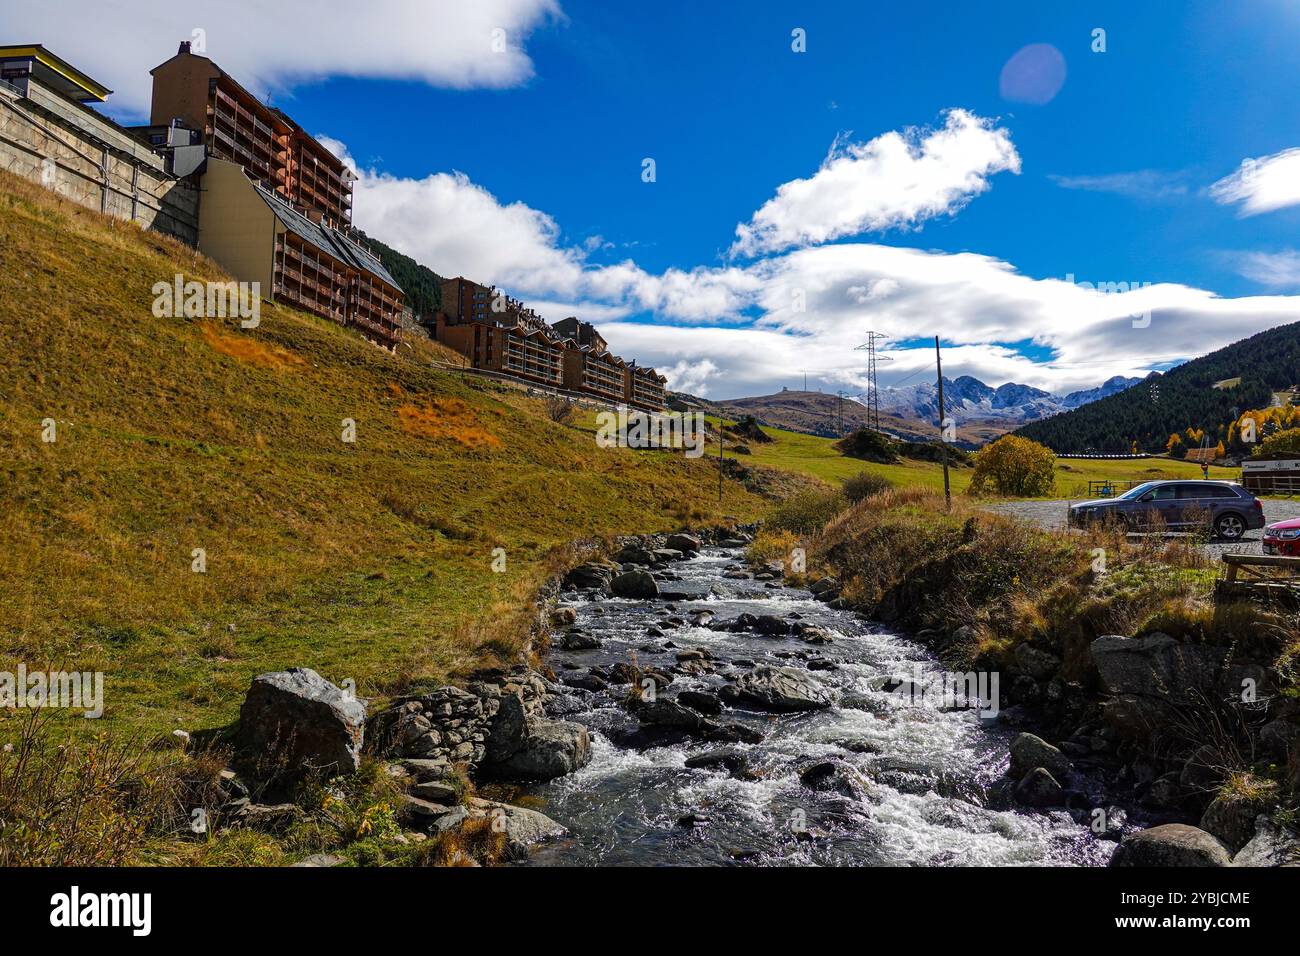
{"x": 524, "y": 167}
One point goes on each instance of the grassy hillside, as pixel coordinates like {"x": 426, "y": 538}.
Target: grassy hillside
{"x": 817, "y": 458}
{"x": 370, "y": 561}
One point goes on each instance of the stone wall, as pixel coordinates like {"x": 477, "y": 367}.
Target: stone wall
{"x": 84, "y": 157}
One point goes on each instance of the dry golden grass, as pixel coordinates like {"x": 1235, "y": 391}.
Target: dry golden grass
{"x": 370, "y": 560}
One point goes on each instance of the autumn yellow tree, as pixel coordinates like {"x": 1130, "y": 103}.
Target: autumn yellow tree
{"x": 1283, "y": 442}
{"x": 1015, "y": 467}
{"x": 1175, "y": 446}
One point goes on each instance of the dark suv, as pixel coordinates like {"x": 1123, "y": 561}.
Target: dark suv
{"x": 1229, "y": 509}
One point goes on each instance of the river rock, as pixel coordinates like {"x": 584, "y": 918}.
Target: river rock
{"x": 591, "y": 682}
{"x": 1280, "y": 736}
{"x": 699, "y": 700}
{"x": 635, "y": 584}
{"x": 1173, "y": 844}
{"x": 563, "y": 616}
{"x": 734, "y": 762}
{"x": 772, "y": 625}
{"x": 552, "y": 748}
{"x": 580, "y": 641}
{"x": 662, "y": 712}
{"x": 590, "y": 575}
{"x": 1039, "y": 664}
{"x": 686, "y": 543}
{"x": 1155, "y": 665}
{"x": 1029, "y": 752}
{"x": 1039, "y": 789}
{"x": 1231, "y": 817}
{"x": 1272, "y": 845}
{"x": 523, "y": 828}
{"x": 298, "y": 720}
{"x": 509, "y": 728}
{"x": 782, "y": 689}
{"x": 834, "y": 776}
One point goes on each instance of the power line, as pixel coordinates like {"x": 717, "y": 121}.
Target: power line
{"x": 873, "y": 387}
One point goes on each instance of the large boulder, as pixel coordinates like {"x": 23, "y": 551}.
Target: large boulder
{"x": 590, "y": 575}
{"x": 509, "y": 729}
{"x": 1029, "y": 752}
{"x": 636, "y": 584}
{"x": 1173, "y": 844}
{"x": 1039, "y": 664}
{"x": 523, "y": 828}
{"x": 1039, "y": 789}
{"x": 297, "y": 721}
{"x": 782, "y": 689}
{"x": 1272, "y": 845}
{"x": 685, "y": 543}
{"x": 1231, "y": 817}
{"x": 551, "y": 748}
{"x": 1155, "y": 665}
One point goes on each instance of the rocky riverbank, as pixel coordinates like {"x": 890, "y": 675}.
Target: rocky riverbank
{"x": 1191, "y": 718}
{"x": 736, "y": 689}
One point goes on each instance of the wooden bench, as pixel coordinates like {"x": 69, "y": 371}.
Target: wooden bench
{"x": 1260, "y": 576}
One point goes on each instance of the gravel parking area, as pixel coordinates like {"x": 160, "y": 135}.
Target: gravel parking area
{"x": 1052, "y": 514}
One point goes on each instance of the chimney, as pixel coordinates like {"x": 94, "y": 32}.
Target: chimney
{"x": 184, "y": 47}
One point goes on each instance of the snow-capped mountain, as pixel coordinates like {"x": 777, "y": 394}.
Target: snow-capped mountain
{"x": 970, "y": 400}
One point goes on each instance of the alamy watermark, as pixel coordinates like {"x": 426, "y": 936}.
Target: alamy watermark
{"x": 71, "y": 690}
{"x": 950, "y": 690}
{"x": 629, "y": 428}
{"x": 1141, "y": 320}
{"x": 208, "y": 300}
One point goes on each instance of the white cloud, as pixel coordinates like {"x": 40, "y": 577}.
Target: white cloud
{"x": 1147, "y": 184}
{"x": 896, "y": 180}
{"x": 1262, "y": 185}
{"x": 692, "y": 377}
{"x": 274, "y": 47}
{"x": 1277, "y": 270}
{"x": 749, "y": 329}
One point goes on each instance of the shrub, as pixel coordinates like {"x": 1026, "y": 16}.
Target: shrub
{"x": 559, "y": 410}
{"x": 1014, "y": 467}
{"x": 864, "y": 485}
{"x": 807, "y": 512}
{"x": 869, "y": 445}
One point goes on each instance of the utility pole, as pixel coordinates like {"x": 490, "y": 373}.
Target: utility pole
{"x": 873, "y": 390}
{"x": 943, "y": 441}
{"x": 719, "y": 458}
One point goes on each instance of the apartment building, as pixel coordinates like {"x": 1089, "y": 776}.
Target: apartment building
{"x": 497, "y": 333}
{"x": 238, "y": 127}
{"x": 583, "y": 333}
{"x": 600, "y": 373}
{"x": 276, "y": 205}
{"x": 258, "y": 236}
{"x": 500, "y": 334}
{"x": 645, "y": 388}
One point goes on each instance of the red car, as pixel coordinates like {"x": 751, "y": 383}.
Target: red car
{"x": 1283, "y": 537}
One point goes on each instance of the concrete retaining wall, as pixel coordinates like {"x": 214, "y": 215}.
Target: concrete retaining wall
{"x": 89, "y": 160}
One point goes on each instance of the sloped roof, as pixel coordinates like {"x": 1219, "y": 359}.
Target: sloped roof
{"x": 324, "y": 238}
